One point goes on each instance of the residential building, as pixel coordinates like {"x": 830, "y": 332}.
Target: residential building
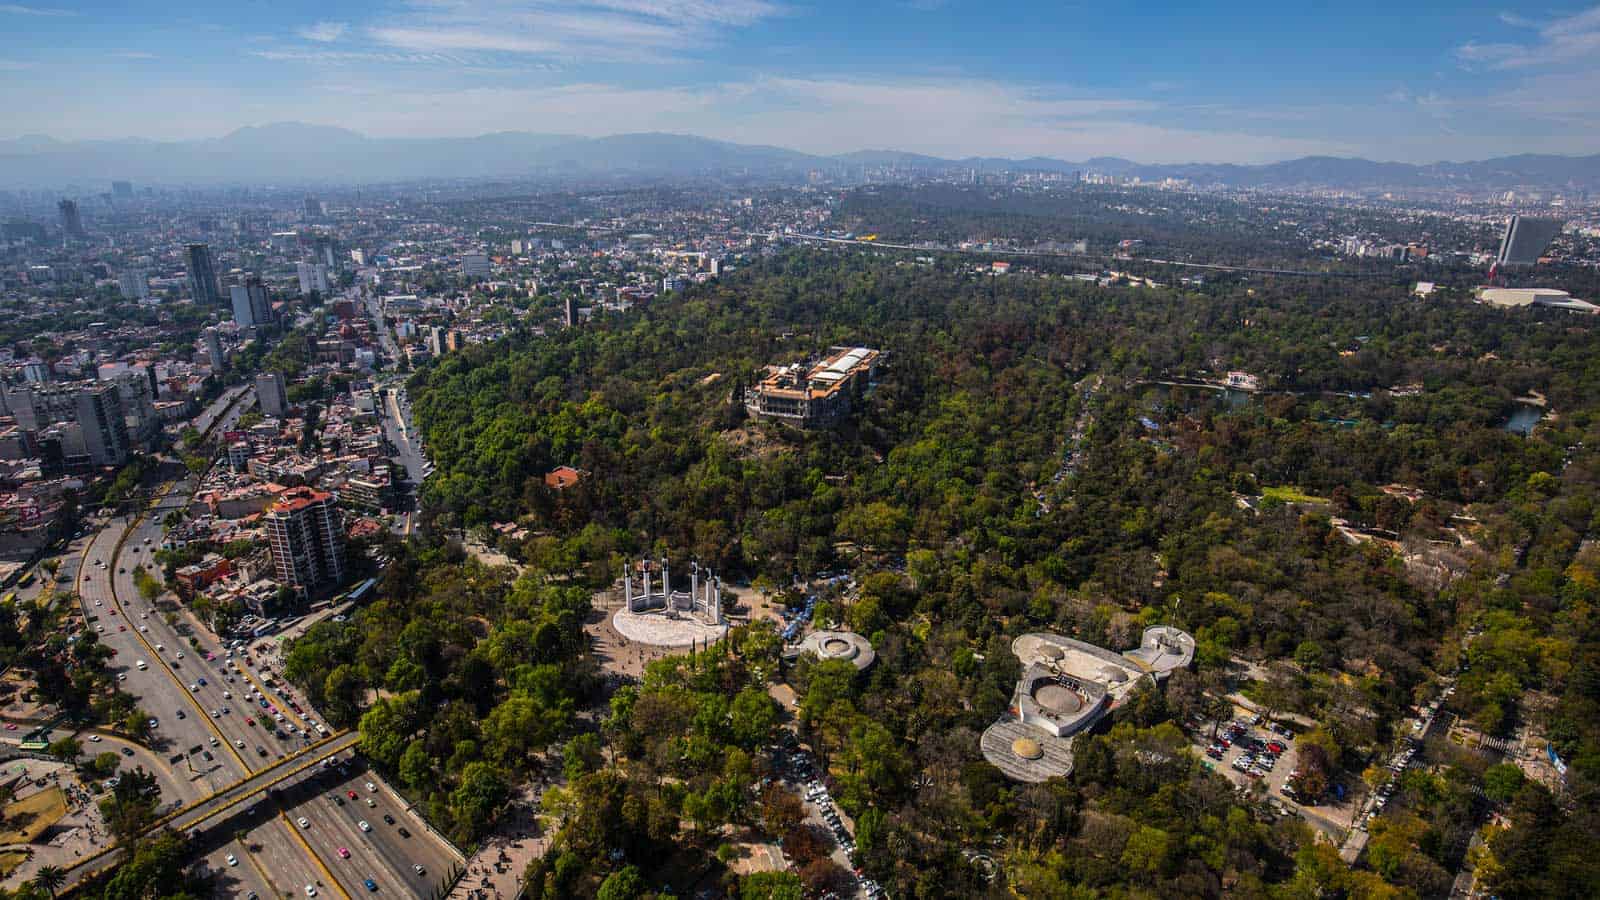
{"x": 475, "y": 266}
{"x": 71, "y": 220}
{"x": 313, "y": 277}
{"x": 204, "y": 288}
{"x": 306, "y": 537}
{"x": 134, "y": 284}
{"x": 252, "y": 307}
{"x": 270, "y": 391}
{"x": 214, "y": 350}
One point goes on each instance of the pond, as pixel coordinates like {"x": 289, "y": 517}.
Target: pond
{"x": 1524, "y": 416}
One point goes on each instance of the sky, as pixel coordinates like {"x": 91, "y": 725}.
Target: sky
{"x": 1154, "y": 82}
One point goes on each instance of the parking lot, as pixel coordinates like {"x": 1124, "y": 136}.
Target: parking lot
{"x": 1245, "y": 752}
{"x": 800, "y": 772}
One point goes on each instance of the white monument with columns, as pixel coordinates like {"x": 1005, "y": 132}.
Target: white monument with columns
{"x": 654, "y": 613}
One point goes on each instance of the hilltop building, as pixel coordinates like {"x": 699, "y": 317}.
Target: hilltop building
{"x": 818, "y": 395}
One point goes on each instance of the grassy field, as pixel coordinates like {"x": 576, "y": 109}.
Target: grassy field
{"x": 28, "y": 818}
{"x": 1289, "y": 494}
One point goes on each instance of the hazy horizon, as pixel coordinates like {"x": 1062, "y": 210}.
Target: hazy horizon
{"x": 1250, "y": 83}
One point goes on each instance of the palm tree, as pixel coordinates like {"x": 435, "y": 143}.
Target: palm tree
{"x": 50, "y": 878}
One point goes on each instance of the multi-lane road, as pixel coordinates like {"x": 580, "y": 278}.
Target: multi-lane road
{"x": 207, "y": 739}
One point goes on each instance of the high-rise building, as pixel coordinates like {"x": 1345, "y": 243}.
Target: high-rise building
{"x": 105, "y": 431}
{"x": 306, "y": 537}
{"x": 325, "y": 250}
{"x": 71, "y": 221}
{"x": 313, "y": 277}
{"x": 122, "y": 190}
{"x": 269, "y": 390}
{"x": 313, "y": 208}
{"x": 214, "y": 350}
{"x": 1525, "y": 240}
{"x": 436, "y": 340}
{"x": 133, "y": 284}
{"x": 252, "y": 308}
{"x": 571, "y": 309}
{"x": 475, "y": 265}
{"x": 203, "y": 285}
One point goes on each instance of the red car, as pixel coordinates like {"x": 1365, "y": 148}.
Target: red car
{"x": 1276, "y": 747}
{"x": 344, "y": 853}
{"x": 352, "y": 795}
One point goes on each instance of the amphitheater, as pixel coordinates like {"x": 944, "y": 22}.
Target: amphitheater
{"x": 1066, "y": 687}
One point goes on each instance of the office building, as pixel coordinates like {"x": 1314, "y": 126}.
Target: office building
{"x": 252, "y": 308}
{"x": 269, "y": 390}
{"x": 214, "y": 350}
{"x": 306, "y": 537}
{"x": 673, "y": 283}
{"x": 475, "y": 266}
{"x": 122, "y": 190}
{"x": 325, "y": 250}
{"x": 204, "y": 288}
{"x": 133, "y": 284}
{"x": 1525, "y": 240}
{"x": 313, "y": 208}
{"x": 571, "y": 307}
{"x": 95, "y": 408}
{"x": 71, "y": 221}
{"x": 35, "y": 371}
{"x": 313, "y": 277}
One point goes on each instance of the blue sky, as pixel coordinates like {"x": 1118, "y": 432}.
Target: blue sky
{"x": 1243, "y": 81}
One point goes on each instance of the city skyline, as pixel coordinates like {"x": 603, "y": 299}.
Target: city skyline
{"x": 1246, "y": 84}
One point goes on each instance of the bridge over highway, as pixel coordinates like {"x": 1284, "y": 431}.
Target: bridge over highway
{"x": 197, "y": 814}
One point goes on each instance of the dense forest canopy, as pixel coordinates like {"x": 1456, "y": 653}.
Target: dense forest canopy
{"x": 1336, "y": 542}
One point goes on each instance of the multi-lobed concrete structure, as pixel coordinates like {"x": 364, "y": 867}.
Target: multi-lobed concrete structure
{"x": 1066, "y": 687}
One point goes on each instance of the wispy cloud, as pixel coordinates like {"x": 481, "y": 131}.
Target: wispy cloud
{"x": 19, "y": 10}
{"x": 324, "y": 32}
{"x": 12, "y": 65}
{"x": 134, "y": 54}
{"x": 1561, "y": 40}
{"x": 590, "y": 30}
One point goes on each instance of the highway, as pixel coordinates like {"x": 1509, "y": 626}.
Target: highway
{"x": 196, "y": 720}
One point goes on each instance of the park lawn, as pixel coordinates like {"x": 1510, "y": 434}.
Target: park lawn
{"x": 30, "y": 816}
{"x": 1289, "y": 494}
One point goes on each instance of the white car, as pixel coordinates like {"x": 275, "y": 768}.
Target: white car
{"x": 302, "y": 822}
{"x": 161, "y": 648}
{"x": 239, "y": 744}
{"x": 363, "y": 825}
{"x": 372, "y": 787}
{"x": 94, "y": 738}
{"x": 180, "y": 654}
{"x": 194, "y": 688}
{"x": 233, "y": 860}
{"x": 310, "y": 891}
{"x": 213, "y": 741}
{"x": 144, "y": 629}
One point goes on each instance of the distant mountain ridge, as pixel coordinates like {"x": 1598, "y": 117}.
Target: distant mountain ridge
{"x": 298, "y": 153}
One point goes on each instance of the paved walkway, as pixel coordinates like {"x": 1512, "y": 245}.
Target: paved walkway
{"x": 496, "y": 870}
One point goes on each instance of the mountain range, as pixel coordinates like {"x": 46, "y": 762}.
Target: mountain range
{"x": 297, "y": 153}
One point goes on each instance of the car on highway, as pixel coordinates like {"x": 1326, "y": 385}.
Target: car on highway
{"x": 371, "y": 885}
{"x": 363, "y": 825}
{"x": 344, "y": 853}
{"x": 239, "y": 744}
{"x": 261, "y": 752}
{"x": 303, "y": 822}
{"x": 310, "y": 891}
{"x": 351, "y": 794}
{"x": 418, "y": 868}
{"x": 233, "y": 860}
{"x": 372, "y": 788}
{"x": 405, "y": 834}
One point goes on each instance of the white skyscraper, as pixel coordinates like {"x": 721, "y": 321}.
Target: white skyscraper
{"x": 313, "y": 277}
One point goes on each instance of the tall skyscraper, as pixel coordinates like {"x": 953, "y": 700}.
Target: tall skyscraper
{"x": 1525, "y": 240}
{"x": 214, "y": 350}
{"x": 252, "y": 308}
{"x": 203, "y": 286}
{"x": 269, "y": 391}
{"x": 306, "y": 537}
{"x": 313, "y": 208}
{"x": 133, "y": 284}
{"x": 326, "y": 251}
{"x": 71, "y": 221}
{"x": 105, "y": 431}
{"x": 122, "y": 190}
{"x": 571, "y": 309}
